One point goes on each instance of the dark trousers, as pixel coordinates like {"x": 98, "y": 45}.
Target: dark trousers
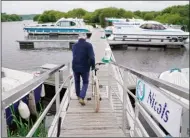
{"x": 85, "y": 78}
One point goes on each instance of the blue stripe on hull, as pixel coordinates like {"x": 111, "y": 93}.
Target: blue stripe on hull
{"x": 55, "y": 30}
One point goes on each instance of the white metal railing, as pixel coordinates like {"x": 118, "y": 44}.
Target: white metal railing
{"x": 136, "y": 127}
{"x": 23, "y": 90}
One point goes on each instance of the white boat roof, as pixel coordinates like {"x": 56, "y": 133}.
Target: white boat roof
{"x": 136, "y": 20}
{"x": 124, "y": 19}
{"x": 131, "y": 22}
{"x": 153, "y": 22}
{"x": 70, "y": 19}
{"x": 13, "y": 78}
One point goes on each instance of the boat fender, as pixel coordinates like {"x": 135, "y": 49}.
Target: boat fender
{"x": 107, "y": 56}
{"x": 175, "y": 69}
{"x": 32, "y": 104}
{"x": 43, "y": 91}
{"x": 23, "y": 110}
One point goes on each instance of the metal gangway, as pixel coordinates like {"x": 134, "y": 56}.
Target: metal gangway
{"x": 124, "y": 120}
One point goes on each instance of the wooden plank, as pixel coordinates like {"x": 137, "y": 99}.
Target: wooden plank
{"x": 110, "y": 131}
{"x": 95, "y": 135}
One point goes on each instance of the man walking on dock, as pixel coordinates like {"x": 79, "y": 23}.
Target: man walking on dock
{"x": 83, "y": 59}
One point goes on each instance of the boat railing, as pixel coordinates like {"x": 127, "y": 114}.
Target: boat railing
{"x": 24, "y": 89}
{"x": 146, "y": 34}
{"x": 131, "y": 117}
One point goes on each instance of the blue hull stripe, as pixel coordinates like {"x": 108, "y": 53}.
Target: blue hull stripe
{"x": 48, "y": 30}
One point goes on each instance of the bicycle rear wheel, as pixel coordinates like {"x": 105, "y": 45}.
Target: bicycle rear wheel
{"x": 96, "y": 97}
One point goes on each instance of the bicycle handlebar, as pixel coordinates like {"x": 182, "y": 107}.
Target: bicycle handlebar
{"x": 99, "y": 63}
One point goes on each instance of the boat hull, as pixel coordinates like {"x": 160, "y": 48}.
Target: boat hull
{"x": 150, "y": 38}
{"x": 57, "y": 31}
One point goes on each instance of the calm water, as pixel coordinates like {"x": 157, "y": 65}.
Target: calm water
{"x": 15, "y": 58}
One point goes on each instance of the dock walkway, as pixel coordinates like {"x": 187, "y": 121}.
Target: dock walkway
{"x": 82, "y": 121}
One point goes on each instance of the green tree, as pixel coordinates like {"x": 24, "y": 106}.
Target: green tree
{"x": 10, "y": 17}
{"x": 149, "y": 16}
{"x": 88, "y": 17}
{"x": 36, "y": 18}
{"x": 49, "y": 16}
{"x": 137, "y": 13}
{"x": 79, "y": 13}
{"x": 121, "y": 12}
{"x": 128, "y": 14}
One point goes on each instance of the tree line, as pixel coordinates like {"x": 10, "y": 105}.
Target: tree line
{"x": 177, "y": 15}
{"x": 10, "y": 17}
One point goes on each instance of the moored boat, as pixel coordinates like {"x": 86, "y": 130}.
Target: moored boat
{"x": 179, "y": 77}
{"x": 112, "y": 22}
{"x": 64, "y": 26}
{"x": 148, "y": 31}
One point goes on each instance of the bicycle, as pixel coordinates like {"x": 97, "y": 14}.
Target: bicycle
{"x": 95, "y": 88}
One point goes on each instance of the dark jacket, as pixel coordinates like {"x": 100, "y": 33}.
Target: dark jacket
{"x": 83, "y": 56}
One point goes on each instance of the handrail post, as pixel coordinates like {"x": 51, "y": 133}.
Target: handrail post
{"x": 109, "y": 82}
{"x": 124, "y": 106}
{"x": 69, "y": 85}
{"x": 136, "y": 116}
{"x": 56, "y": 90}
{"x": 4, "y": 123}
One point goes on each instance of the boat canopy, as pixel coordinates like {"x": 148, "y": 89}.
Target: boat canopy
{"x": 67, "y": 22}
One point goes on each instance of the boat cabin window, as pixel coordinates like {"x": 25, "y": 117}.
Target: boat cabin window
{"x": 72, "y": 23}
{"x": 66, "y": 23}
{"x": 127, "y": 20}
{"x": 152, "y": 26}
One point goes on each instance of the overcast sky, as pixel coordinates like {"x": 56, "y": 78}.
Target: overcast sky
{"x": 36, "y": 7}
